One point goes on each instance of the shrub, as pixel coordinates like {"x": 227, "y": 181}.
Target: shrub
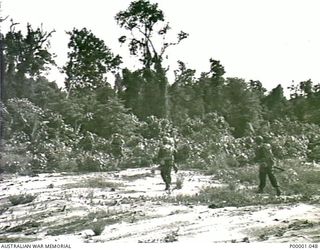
{"x": 221, "y": 161}
{"x": 202, "y": 140}
{"x": 299, "y": 178}
{"x": 93, "y": 162}
{"x": 231, "y": 195}
{"x": 171, "y": 237}
{"x": 94, "y": 220}
{"x": 179, "y": 182}
{"x": 98, "y": 227}
{"x": 24, "y": 227}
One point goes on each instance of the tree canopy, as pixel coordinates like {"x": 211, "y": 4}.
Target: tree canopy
{"x": 212, "y": 119}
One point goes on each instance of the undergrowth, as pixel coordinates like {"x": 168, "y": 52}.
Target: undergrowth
{"x": 21, "y": 199}
{"x": 77, "y": 224}
{"x": 218, "y": 197}
{"x": 96, "y": 221}
{"x": 299, "y": 183}
{"x": 97, "y": 182}
{"x": 5, "y": 239}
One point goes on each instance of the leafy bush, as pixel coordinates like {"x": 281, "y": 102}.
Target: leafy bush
{"x": 98, "y": 227}
{"x": 138, "y": 151}
{"x": 290, "y": 139}
{"x": 208, "y": 139}
{"x": 41, "y": 136}
{"x": 179, "y": 182}
{"x": 171, "y": 237}
{"x": 299, "y": 178}
{"x": 93, "y": 162}
{"x": 231, "y": 196}
{"x": 40, "y": 141}
{"x": 241, "y": 175}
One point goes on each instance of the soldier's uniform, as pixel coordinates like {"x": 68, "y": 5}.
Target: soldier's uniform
{"x": 165, "y": 158}
{"x": 264, "y": 157}
{"x": 117, "y": 148}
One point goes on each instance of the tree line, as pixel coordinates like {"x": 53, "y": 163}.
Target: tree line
{"x": 213, "y": 119}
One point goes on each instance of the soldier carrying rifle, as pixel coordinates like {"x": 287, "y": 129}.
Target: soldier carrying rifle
{"x": 264, "y": 157}
{"x": 165, "y": 158}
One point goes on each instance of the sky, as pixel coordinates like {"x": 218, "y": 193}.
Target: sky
{"x": 274, "y": 41}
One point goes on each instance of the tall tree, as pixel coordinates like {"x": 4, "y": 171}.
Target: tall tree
{"x": 147, "y": 27}
{"x": 143, "y": 93}
{"x": 89, "y": 61}
{"x": 185, "y": 100}
{"x": 257, "y": 87}
{"x": 276, "y": 104}
{"x": 27, "y": 57}
{"x": 145, "y": 21}
{"x": 242, "y": 107}
{"x": 305, "y": 101}
{"x": 211, "y": 86}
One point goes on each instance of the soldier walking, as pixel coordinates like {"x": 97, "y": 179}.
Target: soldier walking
{"x": 165, "y": 158}
{"x": 264, "y": 157}
{"x": 117, "y": 148}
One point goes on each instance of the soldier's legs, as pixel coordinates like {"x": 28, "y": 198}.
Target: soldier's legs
{"x": 273, "y": 181}
{"x": 262, "y": 178}
{"x": 168, "y": 181}
{"x": 169, "y": 175}
{"x": 117, "y": 163}
{"x": 166, "y": 175}
{"x": 163, "y": 173}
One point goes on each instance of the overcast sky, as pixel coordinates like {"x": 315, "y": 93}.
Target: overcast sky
{"x": 274, "y": 41}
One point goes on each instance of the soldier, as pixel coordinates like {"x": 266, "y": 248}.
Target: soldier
{"x": 165, "y": 158}
{"x": 264, "y": 157}
{"x": 117, "y": 148}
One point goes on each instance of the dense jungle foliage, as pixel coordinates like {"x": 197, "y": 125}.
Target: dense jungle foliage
{"x": 213, "y": 119}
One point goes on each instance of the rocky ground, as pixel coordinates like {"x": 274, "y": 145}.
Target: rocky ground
{"x": 130, "y": 206}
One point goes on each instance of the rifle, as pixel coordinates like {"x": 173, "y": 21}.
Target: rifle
{"x": 281, "y": 169}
